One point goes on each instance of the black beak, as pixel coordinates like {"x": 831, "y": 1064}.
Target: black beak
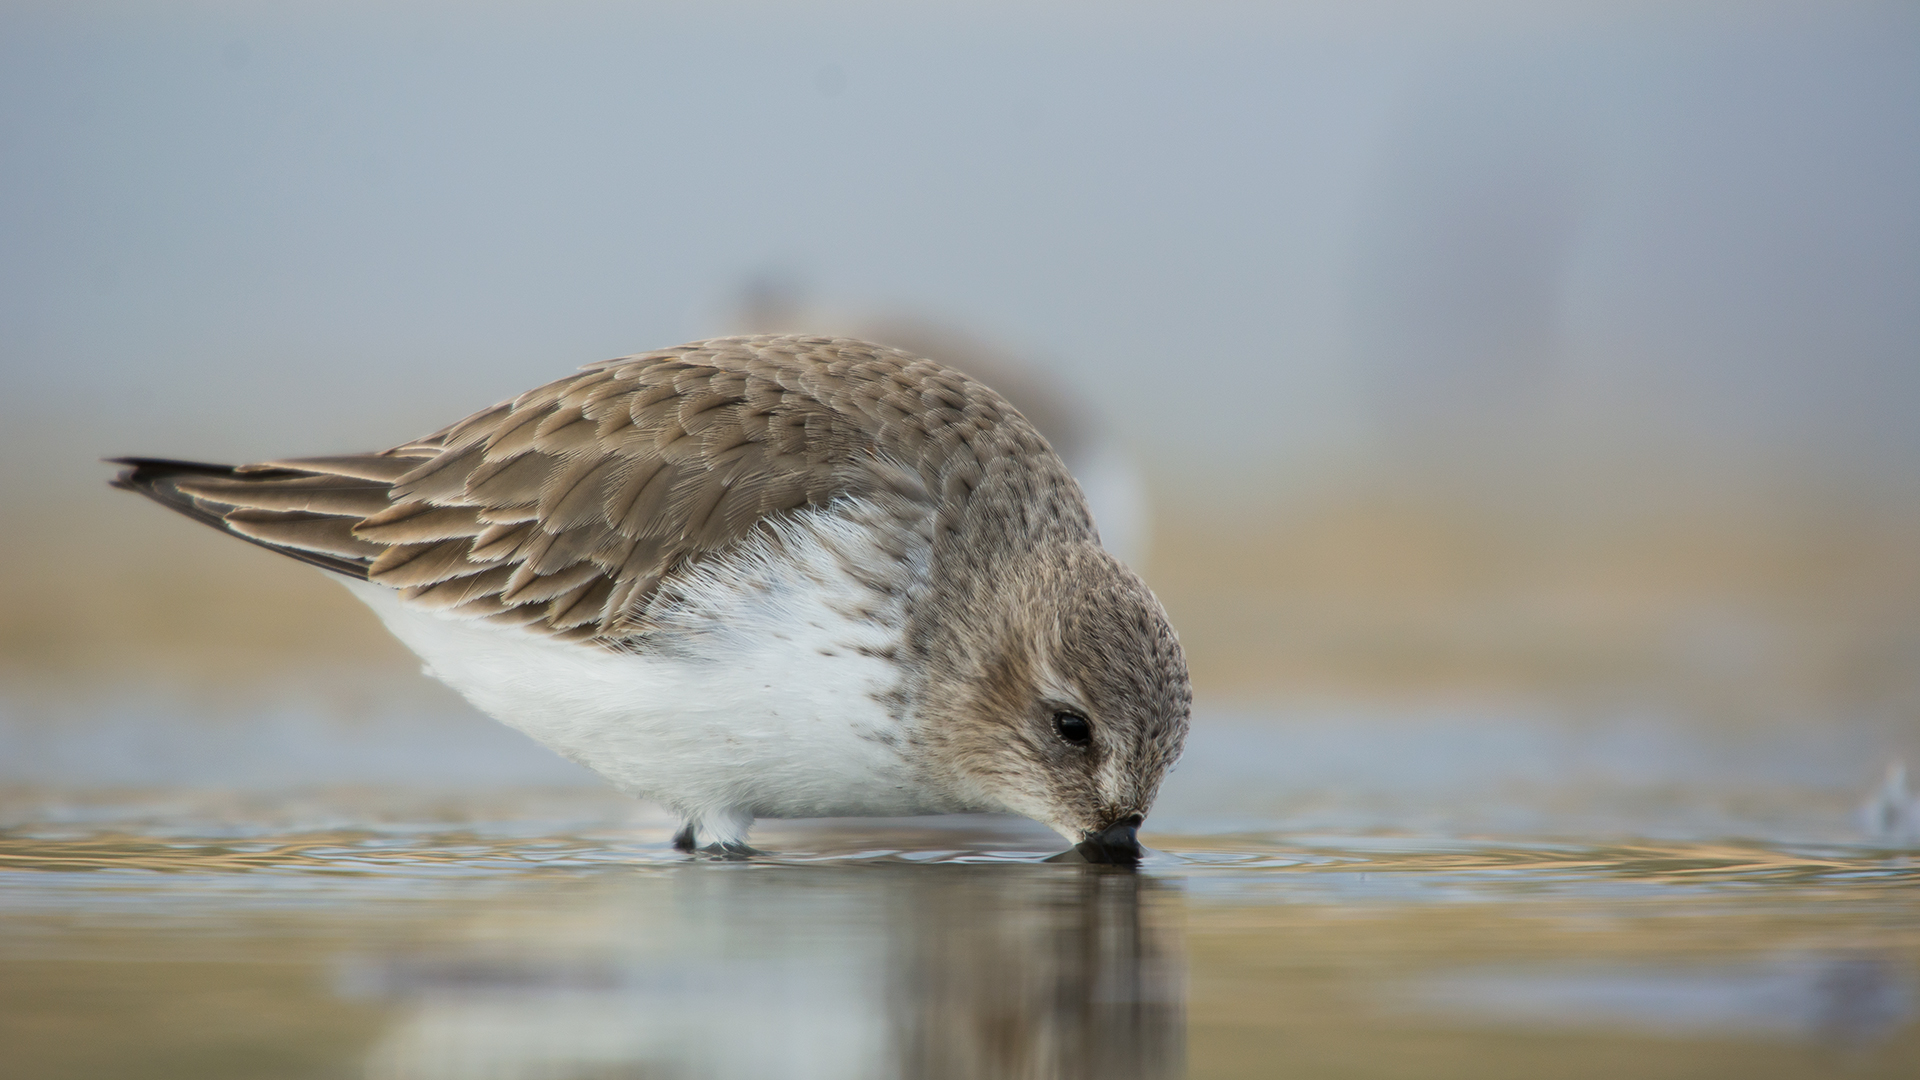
{"x": 1115, "y": 845}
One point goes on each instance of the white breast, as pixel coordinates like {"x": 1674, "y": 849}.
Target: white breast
{"x": 769, "y": 691}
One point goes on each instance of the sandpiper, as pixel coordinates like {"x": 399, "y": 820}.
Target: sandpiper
{"x": 770, "y": 576}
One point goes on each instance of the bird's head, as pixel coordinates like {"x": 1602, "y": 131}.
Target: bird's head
{"x": 1068, "y": 701}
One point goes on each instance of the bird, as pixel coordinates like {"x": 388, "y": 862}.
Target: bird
{"x": 1891, "y": 814}
{"x": 765, "y": 576}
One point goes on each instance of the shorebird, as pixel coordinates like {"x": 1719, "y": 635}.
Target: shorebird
{"x": 769, "y": 576}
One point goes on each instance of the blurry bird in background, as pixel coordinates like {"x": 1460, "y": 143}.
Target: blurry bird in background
{"x": 773, "y": 303}
{"x": 1891, "y": 815}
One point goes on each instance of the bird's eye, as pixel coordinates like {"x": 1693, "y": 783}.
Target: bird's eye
{"x": 1073, "y": 727}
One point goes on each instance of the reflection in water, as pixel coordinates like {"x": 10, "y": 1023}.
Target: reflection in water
{"x": 1076, "y": 978}
{"x": 1847, "y": 1001}
{"x": 882, "y": 971}
{"x": 1492, "y": 899}
{"x": 136, "y": 942}
{"x": 1862, "y": 999}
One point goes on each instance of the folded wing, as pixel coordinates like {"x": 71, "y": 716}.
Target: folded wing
{"x": 563, "y": 509}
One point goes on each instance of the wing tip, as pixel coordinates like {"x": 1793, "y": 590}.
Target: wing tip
{"x": 149, "y": 476}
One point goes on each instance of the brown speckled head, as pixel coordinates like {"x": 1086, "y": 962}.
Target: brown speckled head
{"x": 1059, "y": 692}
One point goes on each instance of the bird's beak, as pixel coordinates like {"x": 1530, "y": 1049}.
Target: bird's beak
{"x": 1118, "y": 844}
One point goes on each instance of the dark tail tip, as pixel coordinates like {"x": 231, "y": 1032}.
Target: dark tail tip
{"x": 143, "y": 473}
{"x": 149, "y": 476}
{"x": 152, "y": 477}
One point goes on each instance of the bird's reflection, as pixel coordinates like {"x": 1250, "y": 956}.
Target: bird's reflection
{"x": 1075, "y": 976}
{"x": 918, "y": 971}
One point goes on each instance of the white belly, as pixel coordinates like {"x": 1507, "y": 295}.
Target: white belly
{"x": 773, "y": 698}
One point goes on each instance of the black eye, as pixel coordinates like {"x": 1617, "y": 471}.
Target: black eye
{"x": 1073, "y": 727}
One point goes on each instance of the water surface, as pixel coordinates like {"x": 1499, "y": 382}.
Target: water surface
{"x": 1492, "y": 899}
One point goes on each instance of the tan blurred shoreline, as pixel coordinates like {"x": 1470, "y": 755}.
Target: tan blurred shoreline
{"x": 1767, "y": 606}
{"x": 1770, "y": 608}
{"x": 119, "y": 592}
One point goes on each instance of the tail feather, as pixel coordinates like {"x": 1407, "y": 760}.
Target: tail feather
{"x": 161, "y": 480}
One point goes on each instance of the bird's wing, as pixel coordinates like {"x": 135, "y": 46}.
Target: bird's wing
{"x": 563, "y": 509}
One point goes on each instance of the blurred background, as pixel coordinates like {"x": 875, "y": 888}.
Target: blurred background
{"x": 1555, "y": 354}
{"x": 1516, "y": 406}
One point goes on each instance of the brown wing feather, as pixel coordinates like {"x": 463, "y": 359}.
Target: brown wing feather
{"x": 566, "y": 507}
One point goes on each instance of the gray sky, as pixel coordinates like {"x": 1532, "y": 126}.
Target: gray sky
{"x": 1282, "y": 234}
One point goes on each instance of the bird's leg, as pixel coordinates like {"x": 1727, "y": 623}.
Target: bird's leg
{"x": 724, "y": 833}
{"x": 683, "y": 840}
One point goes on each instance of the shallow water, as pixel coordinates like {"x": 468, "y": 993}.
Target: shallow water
{"x": 1328, "y": 896}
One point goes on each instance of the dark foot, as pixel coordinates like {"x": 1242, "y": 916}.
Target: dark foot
{"x": 683, "y": 841}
